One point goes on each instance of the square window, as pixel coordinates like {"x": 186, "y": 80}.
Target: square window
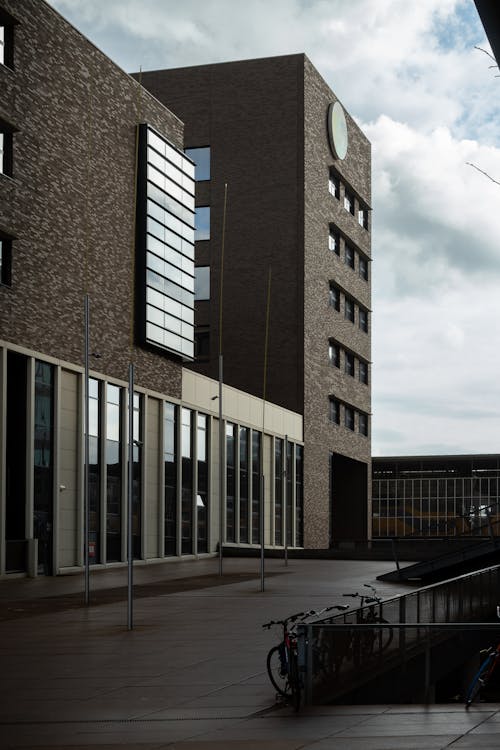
{"x": 5, "y": 261}
{"x": 334, "y": 298}
{"x": 349, "y": 364}
{"x": 349, "y": 418}
{"x": 201, "y": 158}
{"x": 334, "y": 414}
{"x": 363, "y": 319}
{"x": 6, "y": 149}
{"x": 363, "y": 371}
{"x": 363, "y": 423}
{"x": 202, "y": 223}
{"x": 334, "y": 354}
{"x": 6, "y": 39}
{"x": 363, "y": 217}
{"x": 202, "y": 344}
{"x": 349, "y": 202}
{"x": 349, "y": 256}
{"x": 349, "y": 309}
{"x": 334, "y": 241}
{"x": 202, "y": 282}
{"x": 334, "y": 185}
{"x": 363, "y": 268}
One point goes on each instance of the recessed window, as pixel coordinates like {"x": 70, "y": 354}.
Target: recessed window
{"x": 349, "y": 309}
{"x": 349, "y": 417}
{"x": 349, "y": 255}
{"x": 202, "y": 223}
{"x": 363, "y": 371}
{"x": 334, "y": 413}
{"x": 202, "y": 344}
{"x": 349, "y": 363}
{"x": 334, "y": 241}
{"x": 202, "y": 282}
{"x": 201, "y": 158}
{"x": 334, "y": 297}
{"x": 363, "y": 217}
{"x": 363, "y": 423}
{"x": 334, "y": 354}
{"x": 363, "y": 319}
{"x": 349, "y": 202}
{"x": 6, "y": 39}
{"x": 6, "y": 148}
{"x": 334, "y": 185}
{"x": 5, "y": 260}
{"x": 363, "y": 268}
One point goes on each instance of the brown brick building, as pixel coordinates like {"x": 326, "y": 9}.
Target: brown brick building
{"x": 298, "y": 204}
{"x": 97, "y": 202}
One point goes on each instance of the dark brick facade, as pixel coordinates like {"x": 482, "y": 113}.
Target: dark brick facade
{"x": 266, "y": 124}
{"x": 70, "y": 200}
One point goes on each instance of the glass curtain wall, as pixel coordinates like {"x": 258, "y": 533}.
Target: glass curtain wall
{"x": 170, "y": 497}
{"x": 244, "y": 538}
{"x": 289, "y": 493}
{"x": 137, "y": 478}
{"x": 187, "y": 482}
{"x": 230, "y": 482}
{"x": 94, "y": 471}
{"x": 202, "y": 493}
{"x": 44, "y": 464}
{"x": 114, "y": 432}
{"x": 299, "y": 496}
{"x": 278, "y": 491}
{"x": 256, "y": 473}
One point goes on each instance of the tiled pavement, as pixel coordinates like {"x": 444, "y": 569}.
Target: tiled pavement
{"x": 191, "y": 674}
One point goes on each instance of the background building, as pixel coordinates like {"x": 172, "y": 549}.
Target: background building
{"x": 298, "y": 203}
{"x": 97, "y": 202}
{"x": 436, "y": 496}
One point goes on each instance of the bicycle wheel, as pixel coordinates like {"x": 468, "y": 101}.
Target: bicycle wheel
{"x": 277, "y": 671}
{"x": 479, "y": 681}
{"x": 295, "y": 684}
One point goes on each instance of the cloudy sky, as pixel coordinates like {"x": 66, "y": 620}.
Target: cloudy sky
{"x": 429, "y": 103}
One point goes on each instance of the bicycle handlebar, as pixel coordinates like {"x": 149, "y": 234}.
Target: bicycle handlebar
{"x": 303, "y": 615}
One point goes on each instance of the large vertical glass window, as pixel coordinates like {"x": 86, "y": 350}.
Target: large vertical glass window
{"x": 244, "y": 538}
{"x": 202, "y": 223}
{"x": 170, "y": 461}
{"x": 202, "y": 494}
{"x": 187, "y": 482}
{"x": 6, "y": 149}
{"x": 113, "y": 473}
{"x": 201, "y": 158}
{"x": 278, "y": 491}
{"x": 165, "y": 235}
{"x": 6, "y": 39}
{"x": 5, "y": 260}
{"x": 256, "y": 475}
{"x": 230, "y": 482}
{"x": 94, "y": 471}
{"x": 137, "y": 477}
{"x": 202, "y": 282}
{"x": 44, "y": 464}
{"x": 299, "y": 496}
{"x": 289, "y": 493}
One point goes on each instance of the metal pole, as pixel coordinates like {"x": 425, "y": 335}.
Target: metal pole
{"x": 86, "y": 509}
{"x": 262, "y": 559}
{"x": 285, "y": 497}
{"x": 130, "y": 552}
{"x": 221, "y": 467}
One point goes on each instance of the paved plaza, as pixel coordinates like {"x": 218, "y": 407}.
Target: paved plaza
{"x": 191, "y": 674}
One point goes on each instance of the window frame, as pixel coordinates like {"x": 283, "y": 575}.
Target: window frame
{"x": 334, "y": 410}
{"x": 197, "y": 276}
{"x": 5, "y": 260}
{"x": 7, "y": 22}
{"x": 349, "y": 303}
{"x": 334, "y": 240}
{"x": 348, "y": 416}
{"x": 363, "y": 423}
{"x": 349, "y": 256}
{"x": 363, "y": 267}
{"x": 200, "y": 168}
{"x": 349, "y": 364}
{"x": 334, "y": 301}
{"x": 334, "y": 354}
{"x": 334, "y": 182}
{"x": 201, "y": 234}
{"x": 349, "y": 201}
{"x": 363, "y": 316}
{"x": 363, "y": 371}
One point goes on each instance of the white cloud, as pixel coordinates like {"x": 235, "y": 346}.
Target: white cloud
{"x": 426, "y": 98}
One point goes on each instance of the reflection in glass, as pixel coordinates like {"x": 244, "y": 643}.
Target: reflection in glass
{"x": 187, "y": 482}
{"x": 201, "y": 158}
{"x": 202, "y": 223}
{"x": 94, "y": 471}
{"x": 299, "y": 495}
{"x": 113, "y": 473}
{"x": 43, "y": 464}
{"x": 278, "y": 491}
{"x": 230, "y": 482}
{"x": 202, "y": 282}
{"x": 244, "y": 485}
{"x": 256, "y": 475}
{"x": 202, "y": 490}
{"x": 169, "y": 458}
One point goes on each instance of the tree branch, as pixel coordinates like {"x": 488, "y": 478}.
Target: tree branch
{"x": 470, "y": 164}
{"x": 489, "y": 55}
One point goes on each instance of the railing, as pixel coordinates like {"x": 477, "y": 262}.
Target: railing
{"x": 341, "y": 652}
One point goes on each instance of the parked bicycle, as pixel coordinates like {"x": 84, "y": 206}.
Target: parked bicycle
{"x": 373, "y": 640}
{"x": 485, "y": 671}
{"x": 283, "y": 659}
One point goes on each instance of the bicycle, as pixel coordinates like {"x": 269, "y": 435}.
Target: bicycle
{"x": 363, "y": 644}
{"x": 282, "y": 660}
{"x": 483, "y": 675}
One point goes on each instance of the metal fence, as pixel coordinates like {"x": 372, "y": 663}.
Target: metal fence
{"x": 343, "y": 652}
